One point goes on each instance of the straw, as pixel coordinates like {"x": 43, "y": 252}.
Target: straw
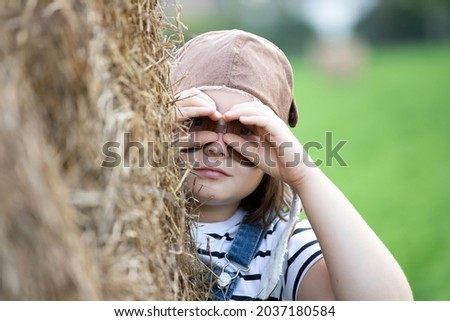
{"x": 75, "y": 75}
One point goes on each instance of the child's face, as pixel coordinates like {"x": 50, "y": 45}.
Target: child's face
{"x": 220, "y": 177}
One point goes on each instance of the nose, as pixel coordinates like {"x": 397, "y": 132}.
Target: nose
{"x": 221, "y": 126}
{"x": 217, "y": 148}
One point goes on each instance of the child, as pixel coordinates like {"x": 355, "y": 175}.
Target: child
{"x": 235, "y": 95}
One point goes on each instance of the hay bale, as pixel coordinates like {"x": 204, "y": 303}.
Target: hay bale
{"x": 75, "y": 75}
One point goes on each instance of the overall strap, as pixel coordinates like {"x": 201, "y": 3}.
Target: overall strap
{"x": 242, "y": 251}
{"x": 245, "y": 244}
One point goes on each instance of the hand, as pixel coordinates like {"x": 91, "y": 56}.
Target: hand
{"x": 193, "y": 103}
{"x": 277, "y": 151}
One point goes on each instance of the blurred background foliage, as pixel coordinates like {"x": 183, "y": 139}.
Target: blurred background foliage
{"x": 389, "y": 21}
{"x": 375, "y": 74}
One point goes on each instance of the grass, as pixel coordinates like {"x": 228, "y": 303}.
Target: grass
{"x": 395, "y": 117}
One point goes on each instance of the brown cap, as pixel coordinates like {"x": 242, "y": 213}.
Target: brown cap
{"x": 239, "y": 60}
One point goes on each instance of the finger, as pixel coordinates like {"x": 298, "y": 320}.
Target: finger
{"x": 195, "y": 97}
{"x": 193, "y": 111}
{"x": 194, "y": 101}
{"x": 259, "y": 154}
{"x": 259, "y": 121}
{"x": 248, "y": 149}
{"x": 248, "y": 109}
{"x": 201, "y": 104}
{"x": 193, "y": 93}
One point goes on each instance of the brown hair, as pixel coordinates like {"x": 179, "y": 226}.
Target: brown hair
{"x": 268, "y": 201}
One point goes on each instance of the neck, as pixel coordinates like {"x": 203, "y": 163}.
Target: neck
{"x": 215, "y": 213}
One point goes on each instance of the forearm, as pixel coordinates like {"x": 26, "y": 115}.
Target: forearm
{"x": 359, "y": 265}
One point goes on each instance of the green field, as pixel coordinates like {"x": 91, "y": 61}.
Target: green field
{"x": 395, "y": 117}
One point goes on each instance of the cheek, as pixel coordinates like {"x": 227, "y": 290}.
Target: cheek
{"x": 250, "y": 177}
{"x": 195, "y": 186}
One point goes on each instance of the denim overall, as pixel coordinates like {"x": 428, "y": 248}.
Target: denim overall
{"x": 242, "y": 251}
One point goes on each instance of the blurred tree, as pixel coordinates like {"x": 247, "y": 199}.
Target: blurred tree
{"x": 268, "y": 19}
{"x": 282, "y": 23}
{"x": 399, "y": 20}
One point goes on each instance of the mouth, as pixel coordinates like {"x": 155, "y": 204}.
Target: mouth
{"x": 210, "y": 172}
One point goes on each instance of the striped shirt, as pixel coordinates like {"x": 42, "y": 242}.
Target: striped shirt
{"x": 213, "y": 240}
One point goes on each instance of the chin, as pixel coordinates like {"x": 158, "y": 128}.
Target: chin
{"x": 210, "y": 199}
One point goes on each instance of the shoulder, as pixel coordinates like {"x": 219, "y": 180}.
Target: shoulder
{"x": 300, "y": 230}
{"x": 303, "y": 246}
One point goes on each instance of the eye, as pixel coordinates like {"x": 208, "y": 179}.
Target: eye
{"x": 245, "y": 131}
{"x": 197, "y": 124}
{"x": 235, "y": 127}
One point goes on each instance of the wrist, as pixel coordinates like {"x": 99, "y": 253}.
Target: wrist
{"x": 299, "y": 167}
